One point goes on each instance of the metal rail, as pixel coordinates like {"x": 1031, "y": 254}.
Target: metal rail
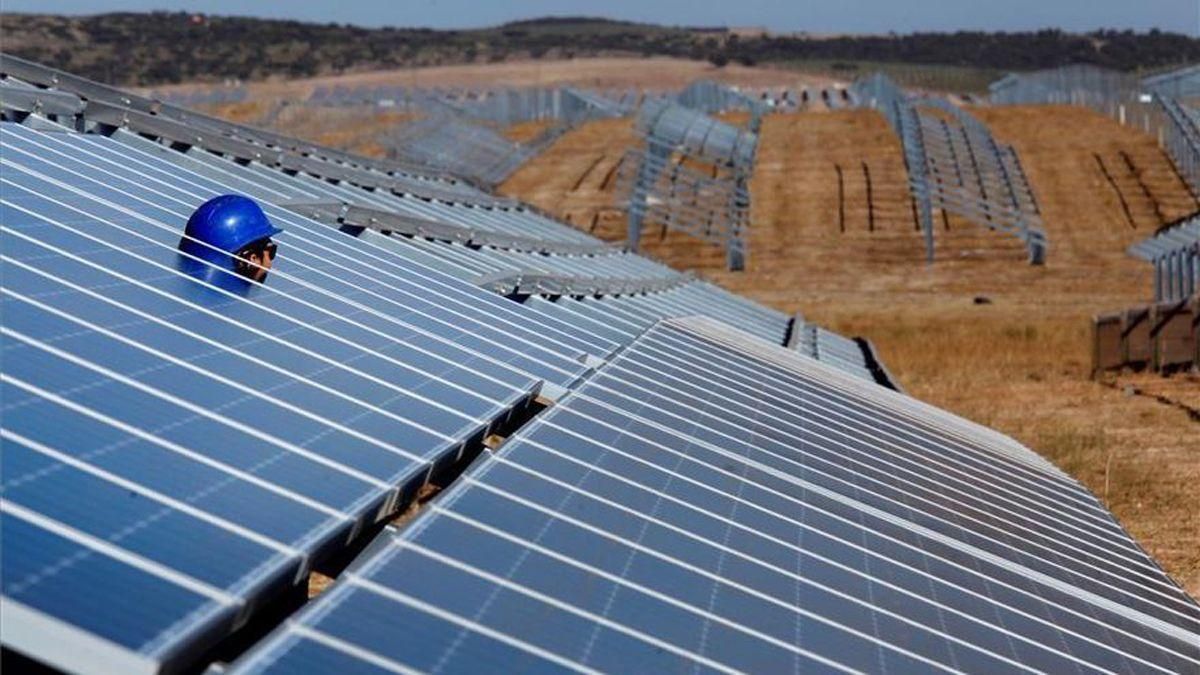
{"x": 387, "y": 221}
{"x": 1175, "y": 254}
{"x": 539, "y": 283}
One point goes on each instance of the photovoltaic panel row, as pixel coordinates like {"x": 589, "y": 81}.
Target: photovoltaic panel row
{"x": 270, "y": 184}
{"x": 633, "y": 314}
{"x": 179, "y": 444}
{"x": 149, "y": 202}
{"x": 703, "y": 298}
{"x": 143, "y": 155}
{"x": 99, "y": 99}
{"x": 468, "y": 262}
{"x": 711, "y": 502}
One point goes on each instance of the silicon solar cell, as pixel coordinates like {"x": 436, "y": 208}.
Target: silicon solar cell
{"x": 711, "y": 502}
{"x": 697, "y": 297}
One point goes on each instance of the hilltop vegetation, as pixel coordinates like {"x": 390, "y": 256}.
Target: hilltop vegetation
{"x": 161, "y": 47}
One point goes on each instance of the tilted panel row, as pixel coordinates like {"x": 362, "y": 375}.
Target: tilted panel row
{"x": 685, "y": 200}
{"x": 1182, "y": 138}
{"x": 124, "y": 108}
{"x": 711, "y": 502}
{"x": 459, "y": 148}
{"x": 180, "y": 444}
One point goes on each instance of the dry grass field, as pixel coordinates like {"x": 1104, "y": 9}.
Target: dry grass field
{"x": 597, "y": 73}
{"x": 979, "y": 332}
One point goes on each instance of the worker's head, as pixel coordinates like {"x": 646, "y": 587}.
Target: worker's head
{"x": 237, "y": 233}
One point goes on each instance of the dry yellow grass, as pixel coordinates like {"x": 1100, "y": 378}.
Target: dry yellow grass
{"x": 599, "y": 73}
{"x": 1019, "y": 364}
{"x": 525, "y": 132}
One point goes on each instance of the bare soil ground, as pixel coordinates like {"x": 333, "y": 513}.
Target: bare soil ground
{"x": 979, "y": 332}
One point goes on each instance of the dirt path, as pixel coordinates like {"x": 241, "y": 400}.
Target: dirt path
{"x": 980, "y": 332}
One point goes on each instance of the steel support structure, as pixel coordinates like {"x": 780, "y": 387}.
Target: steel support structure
{"x": 690, "y": 176}
{"x": 956, "y": 165}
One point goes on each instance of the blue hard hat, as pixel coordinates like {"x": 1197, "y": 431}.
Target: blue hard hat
{"x": 228, "y": 223}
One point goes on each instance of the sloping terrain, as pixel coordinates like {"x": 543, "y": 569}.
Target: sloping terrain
{"x": 980, "y": 332}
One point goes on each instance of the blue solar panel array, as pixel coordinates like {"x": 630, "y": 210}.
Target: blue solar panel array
{"x": 709, "y": 502}
{"x": 196, "y": 440}
{"x": 257, "y": 427}
{"x": 181, "y": 446}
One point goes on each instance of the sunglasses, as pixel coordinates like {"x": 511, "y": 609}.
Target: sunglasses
{"x": 263, "y": 247}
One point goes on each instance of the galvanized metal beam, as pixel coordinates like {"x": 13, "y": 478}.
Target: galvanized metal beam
{"x": 41, "y": 101}
{"x": 387, "y": 221}
{"x": 538, "y": 283}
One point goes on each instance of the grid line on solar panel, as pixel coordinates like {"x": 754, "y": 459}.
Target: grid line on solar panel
{"x": 284, "y": 373}
{"x": 927, "y": 414}
{"x": 106, "y": 148}
{"x": 117, "y": 553}
{"x": 379, "y": 291}
{"x": 175, "y": 448}
{"x": 796, "y": 550}
{"x": 667, "y": 351}
{"x": 603, "y": 348}
{"x": 716, "y": 578}
{"x": 111, "y": 375}
{"x": 924, "y": 415}
{"x": 176, "y": 607}
{"x": 597, "y": 618}
{"x": 434, "y": 610}
{"x": 351, "y": 650}
{"x": 752, "y": 530}
{"x": 98, "y": 308}
{"x": 978, "y": 545}
{"x": 527, "y": 441}
{"x": 241, "y": 167}
{"x": 263, "y": 393}
{"x": 645, "y": 365}
{"x": 889, "y": 395}
{"x": 867, "y": 466}
{"x": 162, "y": 498}
{"x": 496, "y": 304}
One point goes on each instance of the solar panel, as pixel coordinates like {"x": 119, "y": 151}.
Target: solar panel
{"x": 266, "y": 183}
{"x": 180, "y": 445}
{"x": 710, "y": 501}
{"x": 323, "y": 271}
{"x": 269, "y": 184}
